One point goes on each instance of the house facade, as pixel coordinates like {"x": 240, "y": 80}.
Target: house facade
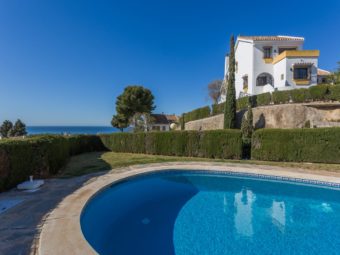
{"x": 162, "y": 122}
{"x": 269, "y": 63}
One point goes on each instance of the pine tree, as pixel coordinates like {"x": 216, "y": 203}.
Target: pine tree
{"x": 6, "y": 128}
{"x": 230, "y": 103}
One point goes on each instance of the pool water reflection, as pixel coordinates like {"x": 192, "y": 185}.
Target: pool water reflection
{"x": 181, "y": 212}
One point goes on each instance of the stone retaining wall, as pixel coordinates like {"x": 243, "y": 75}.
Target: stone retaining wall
{"x": 279, "y": 116}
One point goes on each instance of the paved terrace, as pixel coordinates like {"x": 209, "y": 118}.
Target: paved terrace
{"x": 47, "y": 221}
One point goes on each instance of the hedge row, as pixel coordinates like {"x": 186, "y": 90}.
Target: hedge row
{"x": 199, "y": 113}
{"x": 297, "y": 145}
{"x": 225, "y": 144}
{"x": 41, "y": 156}
{"x": 323, "y": 92}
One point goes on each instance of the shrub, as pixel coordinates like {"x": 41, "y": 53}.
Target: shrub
{"x": 334, "y": 92}
{"x": 212, "y": 144}
{"x": 263, "y": 99}
{"x": 242, "y": 103}
{"x": 41, "y": 156}
{"x": 299, "y": 145}
{"x": 300, "y": 95}
{"x": 197, "y": 114}
{"x": 281, "y": 97}
{"x": 319, "y": 92}
{"x": 217, "y": 108}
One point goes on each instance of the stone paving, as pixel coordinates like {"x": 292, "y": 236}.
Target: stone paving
{"x": 57, "y": 204}
{"x": 20, "y": 225}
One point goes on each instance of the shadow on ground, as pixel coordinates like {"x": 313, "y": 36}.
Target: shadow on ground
{"x": 20, "y": 225}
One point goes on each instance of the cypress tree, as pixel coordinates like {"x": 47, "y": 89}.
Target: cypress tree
{"x": 247, "y": 125}
{"x": 230, "y": 103}
{"x": 182, "y": 122}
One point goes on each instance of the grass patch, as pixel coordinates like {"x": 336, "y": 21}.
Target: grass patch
{"x": 105, "y": 161}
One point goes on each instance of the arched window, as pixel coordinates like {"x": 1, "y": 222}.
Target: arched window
{"x": 264, "y": 79}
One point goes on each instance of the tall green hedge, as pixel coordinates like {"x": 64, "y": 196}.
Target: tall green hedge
{"x": 41, "y": 156}
{"x": 281, "y": 97}
{"x": 217, "y": 108}
{"x": 197, "y": 114}
{"x": 299, "y": 145}
{"x": 263, "y": 99}
{"x": 210, "y": 144}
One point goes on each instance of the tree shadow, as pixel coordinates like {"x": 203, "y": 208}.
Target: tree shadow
{"x": 261, "y": 122}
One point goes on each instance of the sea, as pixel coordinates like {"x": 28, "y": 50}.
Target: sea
{"x": 72, "y": 130}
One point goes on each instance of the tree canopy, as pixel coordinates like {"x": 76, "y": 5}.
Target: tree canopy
{"x": 135, "y": 104}
{"x": 8, "y": 130}
{"x": 214, "y": 89}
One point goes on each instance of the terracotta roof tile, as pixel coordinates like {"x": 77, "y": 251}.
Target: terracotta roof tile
{"x": 323, "y": 72}
{"x": 272, "y": 38}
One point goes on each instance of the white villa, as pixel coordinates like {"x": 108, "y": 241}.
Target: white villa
{"x": 269, "y": 63}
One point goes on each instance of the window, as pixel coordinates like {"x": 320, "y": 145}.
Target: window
{"x": 267, "y": 52}
{"x": 163, "y": 128}
{"x": 264, "y": 79}
{"x": 245, "y": 82}
{"x": 282, "y": 77}
{"x": 301, "y": 73}
{"x": 236, "y": 66}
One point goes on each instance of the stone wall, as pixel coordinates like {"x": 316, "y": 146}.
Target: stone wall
{"x": 280, "y": 116}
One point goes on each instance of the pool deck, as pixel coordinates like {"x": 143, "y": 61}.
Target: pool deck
{"x": 47, "y": 221}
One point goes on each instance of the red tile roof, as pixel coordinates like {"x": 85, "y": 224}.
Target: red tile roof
{"x": 323, "y": 72}
{"x": 272, "y": 38}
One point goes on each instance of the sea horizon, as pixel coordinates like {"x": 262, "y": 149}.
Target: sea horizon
{"x": 69, "y": 129}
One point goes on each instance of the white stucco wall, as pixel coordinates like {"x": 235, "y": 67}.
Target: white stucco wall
{"x": 290, "y": 74}
{"x": 249, "y": 58}
{"x": 244, "y": 59}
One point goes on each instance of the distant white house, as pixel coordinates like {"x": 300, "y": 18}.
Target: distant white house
{"x": 269, "y": 63}
{"x": 162, "y": 122}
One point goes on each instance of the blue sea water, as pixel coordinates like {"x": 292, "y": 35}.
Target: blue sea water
{"x": 35, "y": 130}
{"x": 198, "y": 213}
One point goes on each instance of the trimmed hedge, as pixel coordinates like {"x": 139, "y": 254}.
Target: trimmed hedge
{"x": 281, "y": 97}
{"x": 300, "y": 145}
{"x": 263, "y": 99}
{"x": 41, "y": 156}
{"x": 225, "y": 144}
{"x": 300, "y": 95}
{"x": 199, "y": 113}
{"x": 218, "y": 108}
{"x": 319, "y": 92}
{"x": 334, "y": 92}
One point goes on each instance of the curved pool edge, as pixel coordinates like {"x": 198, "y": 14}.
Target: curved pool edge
{"x": 61, "y": 230}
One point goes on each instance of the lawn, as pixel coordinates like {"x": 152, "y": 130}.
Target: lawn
{"x": 105, "y": 161}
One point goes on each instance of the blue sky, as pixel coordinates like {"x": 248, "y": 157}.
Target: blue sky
{"x": 64, "y": 62}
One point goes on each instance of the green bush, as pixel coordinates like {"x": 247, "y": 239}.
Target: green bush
{"x": 242, "y": 103}
{"x": 334, "y": 92}
{"x": 217, "y": 108}
{"x": 281, "y": 97}
{"x": 300, "y": 95}
{"x": 41, "y": 156}
{"x": 299, "y": 145}
{"x": 263, "y": 99}
{"x": 210, "y": 144}
{"x": 199, "y": 113}
{"x": 319, "y": 92}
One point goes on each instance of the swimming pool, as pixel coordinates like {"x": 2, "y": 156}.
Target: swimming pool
{"x": 194, "y": 212}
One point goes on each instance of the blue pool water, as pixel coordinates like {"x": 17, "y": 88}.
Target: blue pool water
{"x": 181, "y": 212}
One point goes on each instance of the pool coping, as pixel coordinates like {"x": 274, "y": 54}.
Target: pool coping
{"x": 61, "y": 231}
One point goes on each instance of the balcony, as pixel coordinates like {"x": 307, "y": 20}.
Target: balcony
{"x": 296, "y": 54}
